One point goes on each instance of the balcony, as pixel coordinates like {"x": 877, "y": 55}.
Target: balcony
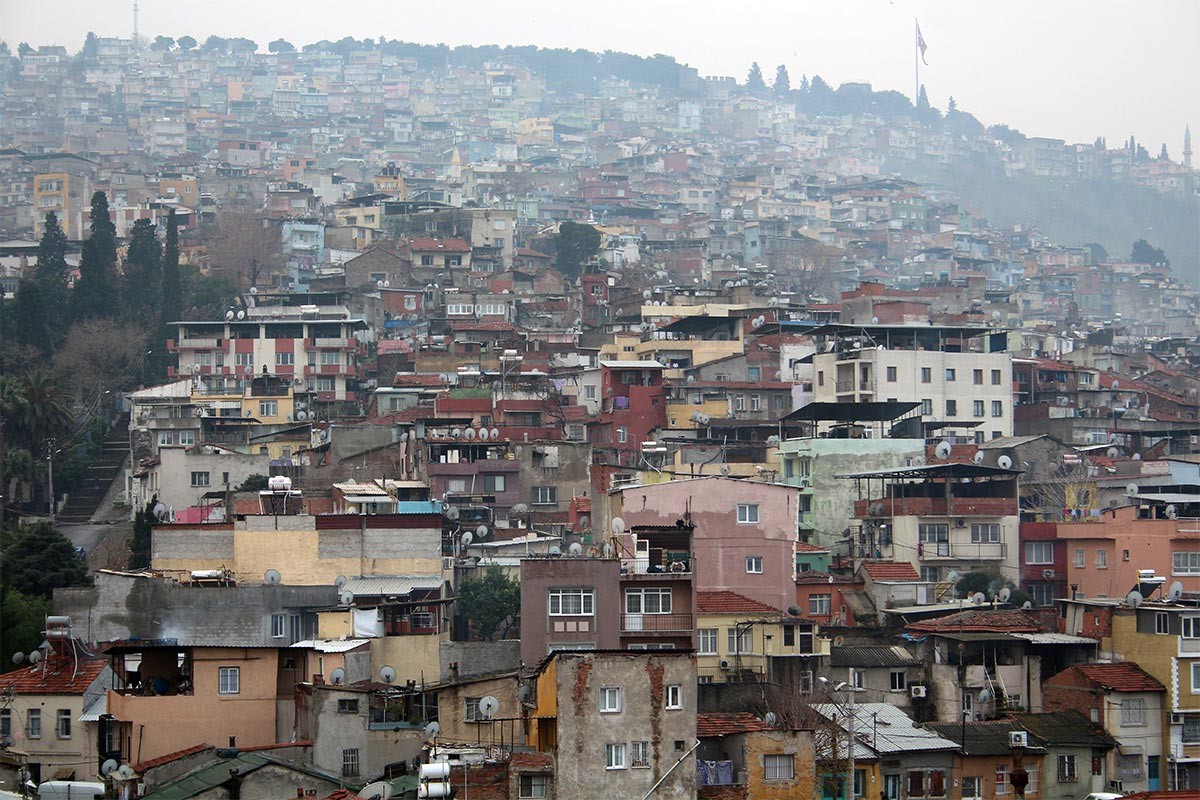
{"x": 961, "y": 551}
{"x": 676, "y": 565}
{"x": 936, "y": 507}
{"x": 656, "y": 623}
{"x": 844, "y": 387}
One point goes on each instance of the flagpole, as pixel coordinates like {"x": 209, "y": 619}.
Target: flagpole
{"x": 916, "y": 61}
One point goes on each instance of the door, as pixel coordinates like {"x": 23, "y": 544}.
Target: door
{"x": 1153, "y": 782}
{"x": 891, "y": 787}
{"x": 641, "y": 560}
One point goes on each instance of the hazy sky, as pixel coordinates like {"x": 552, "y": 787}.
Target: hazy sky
{"x": 1072, "y": 69}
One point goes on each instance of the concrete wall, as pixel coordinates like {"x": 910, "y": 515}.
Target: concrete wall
{"x": 177, "y": 464}
{"x": 583, "y": 731}
{"x": 539, "y": 630}
{"x": 572, "y": 475}
{"x": 126, "y": 607}
{"x": 479, "y": 658}
{"x": 274, "y": 780}
{"x": 451, "y": 707}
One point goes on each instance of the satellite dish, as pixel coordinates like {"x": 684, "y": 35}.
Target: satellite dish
{"x": 1004, "y": 462}
{"x": 985, "y": 695}
{"x": 160, "y": 511}
{"x": 575, "y": 549}
{"x": 272, "y": 577}
{"x": 338, "y": 676}
{"x": 1172, "y": 512}
{"x": 770, "y": 718}
{"x": 1176, "y": 591}
{"x": 488, "y": 706}
{"x": 525, "y": 693}
{"x": 795, "y": 611}
{"x": 691, "y": 378}
{"x": 452, "y": 513}
{"x": 554, "y": 550}
{"x": 1134, "y": 598}
{"x": 380, "y": 790}
{"x": 1112, "y": 452}
{"x": 469, "y": 434}
{"x": 943, "y": 450}
{"x": 617, "y": 525}
{"x": 952, "y": 576}
{"x": 1131, "y": 489}
{"x": 483, "y": 434}
{"x": 1027, "y": 605}
{"x": 979, "y": 598}
{"x": 1005, "y": 593}
{"x": 978, "y": 459}
{"x": 347, "y": 598}
{"x": 35, "y": 656}
{"x": 109, "y": 767}
{"x": 467, "y": 538}
{"x": 253, "y": 290}
{"x": 241, "y": 314}
{"x": 495, "y": 434}
{"x": 520, "y": 508}
{"x": 125, "y": 772}
{"x": 481, "y": 531}
{"x": 1137, "y": 456}
{"x": 229, "y": 314}
{"x": 387, "y": 674}
{"x": 339, "y": 581}
{"x": 432, "y": 730}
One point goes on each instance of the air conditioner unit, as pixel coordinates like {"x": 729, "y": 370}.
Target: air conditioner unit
{"x": 1018, "y": 739}
{"x": 725, "y": 664}
{"x": 917, "y": 691}
{"x": 1048, "y": 574}
{"x": 960, "y": 523}
{"x": 1177, "y": 719}
{"x": 447, "y": 562}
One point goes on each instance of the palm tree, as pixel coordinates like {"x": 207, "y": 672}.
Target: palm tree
{"x": 41, "y": 411}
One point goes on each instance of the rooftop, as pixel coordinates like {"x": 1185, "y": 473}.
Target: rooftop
{"x": 724, "y": 724}
{"x": 55, "y": 675}
{"x": 1121, "y": 677}
{"x": 725, "y": 602}
{"x": 890, "y": 571}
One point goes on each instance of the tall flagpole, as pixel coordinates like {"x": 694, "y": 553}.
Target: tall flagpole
{"x": 916, "y": 61}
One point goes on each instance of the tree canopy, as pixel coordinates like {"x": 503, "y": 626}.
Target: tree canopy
{"x": 754, "y": 80}
{"x": 783, "y": 84}
{"x": 1143, "y": 252}
{"x": 575, "y": 244}
{"x": 95, "y": 293}
{"x": 38, "y": 559}
{"x": 491, "y": 603}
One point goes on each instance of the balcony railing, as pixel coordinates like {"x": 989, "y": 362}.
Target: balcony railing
{"x": 987, "y": 551}
{"x": 845, "y": 386}
{"x": 937, "y": 507}
{"x": 656, "y": 623}
{"x": 673, "y": 564}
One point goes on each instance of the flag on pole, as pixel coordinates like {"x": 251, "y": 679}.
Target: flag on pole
{"x": 921, "y": 44}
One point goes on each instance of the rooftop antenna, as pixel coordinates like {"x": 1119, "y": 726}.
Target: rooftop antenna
{"x": 135, "y": 26}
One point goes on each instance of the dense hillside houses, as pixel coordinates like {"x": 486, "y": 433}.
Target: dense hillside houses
{"x": 520, "y": 434}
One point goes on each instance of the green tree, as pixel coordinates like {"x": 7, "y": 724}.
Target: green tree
{"x": 162, "y": 44}
{"x": 253, "y": 483}
{"x": 281, "y": 46}
{"x": 491, "y": 603}
{"x": 38, "y": 559}
{"x": 952, "y": 106}
{"x": 186, "y": 42}
{"x": 1098, "y": 254}
{"x": 575, "y": 244}
{"x": 783, "y": 84}
{"x": 1145, "y": 253}
{"x": 22, "y": 620}
{"x": 143, "y": 530}
{"x": 95, "y": 294}
{"x": 29, "y": 317}
{"x": 143, "y": 274}
{"x": 23, "y": 49}
{"x": 40, "y": 411}
{"x": 52, "y": 265}
{"x": 754, "y": 81}
{"x": 171, "y": 289}
{"x": 90, "y": 47}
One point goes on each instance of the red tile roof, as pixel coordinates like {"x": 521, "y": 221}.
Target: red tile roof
{"x": 891, "y": 571}
{"x": 56, "y": 675}
{"x": 731, "y": 603}
{"x": 805, "y": 547}
{"x": 725, "y": 724}
{"x": 141, "y": 767}
{"x": 1123, "y": 677}
{"x": 445, "y": 245}
{"x": 582, "y": 503}
{"x": 982, "y": 620}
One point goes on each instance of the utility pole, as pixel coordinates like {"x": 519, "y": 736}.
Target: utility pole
{"x": 850, "y": 744}
{"x": 50, "y": 471}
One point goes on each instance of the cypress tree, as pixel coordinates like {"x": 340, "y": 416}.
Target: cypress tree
{"x": 143, "y": 274}
{"x": 95, "y": 294}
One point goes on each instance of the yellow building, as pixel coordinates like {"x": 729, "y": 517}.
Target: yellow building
{"x": 739, "y": 640}
{"x": 68, "y": 195}
{"x": 181, "y": 186}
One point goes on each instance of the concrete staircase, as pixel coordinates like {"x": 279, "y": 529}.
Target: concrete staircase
{"x": 86, "y": 499}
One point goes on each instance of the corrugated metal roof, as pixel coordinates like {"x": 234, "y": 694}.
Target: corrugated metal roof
{"x": 986, "y": 738}
{"x": 890, "y": 730}
{"x": 866, "y": 656}
{"x": 1053, "y": 638}
{"x": 632, "y": 365}
{"x": 332, "y": 645}
{"x": 203, "y": 780}
{"x": 94, "y": 710}
{"x": 393, "y": 584}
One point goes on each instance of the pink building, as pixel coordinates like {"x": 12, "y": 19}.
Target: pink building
{"x": 745, "y": 531}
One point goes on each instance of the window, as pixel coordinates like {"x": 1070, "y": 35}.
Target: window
{"x": 753, "y": 373}
{"x": 610, "y": 699}
{"x": 789, "y": 635}
{"x": 622, "y": 434}
{"x": 937, "y": 783}
{"x": 589, "y": 392}
{"x": 891, "y": 374}
{"x": 572, "y": 602}
{"x": 244, "y": 359}
{"x": 977, "y": 408}
{"x": 1185, "y": 563}
{"x": 285, "y": 359}
{"x": 755, "y": 402}
{"x": 471, "y": 710}
{"x": 1101, "y": 559}
{"x": 1039, "y": 552}
{"x": 951, "y": 408}
{"x": 614, "y": 756}
{"x": 545, "y": 495}
{"x": 33, "y": 724}
{"x": 187, "y": 438}
{"x": 995, "y": 377}
{"x": 739, "y": 402}
{"x": 1041, "y": 594}
{"x": 324, "y": 384}
{"x": 707, "y": 638}
{"x": 926, "y": 375}
{"x": 493, "y": 483}
{"x": 1162, "y": 622}
{"x": 1196, "y": 678}
{"x": 5, "y": 722}
{"x": 1129, "y": 768}
{"x": 199, "y": 479}
{"x": 278, "y": 625}
{"x": 1191, "y": 728}
{"x": 977, "y": 377}
{"x": 229, "y": 680}
{"x": 898, "y": 680}
{"x": 268, "y": 408}
{"x": 779, "y": 767}
{"x": 739, "y": 639}
{"x": 972, "y": 787}
{"x": 949, "y": 375}
{"x": 350, "y": 762}
{"x": 820, "y": 605}
{"x": 926, "y": 406}
{"x": 997, "y": 408}
{"x": 639, "y": 754}
{"x": 1068, "y": 772}
{"x": 754, "y": 565}
{"x": 331, "y": 357}
{"x": 675, "y": 696}
{"x": 930, "y": 574}
{"x": 166, "y": 438}
{"x": 1190, "y": 627}
{"x": 747, "y": 513}
{"x": 1002, "y": 780}
{"x": 648, "y": 601}
{"x": 62, "y": 727}
{"x": 985, "y": 533}
{"x": 1133, "y": 711}
{"x": 1079, "y": 558}
{"x": 532, "y": 786}
{"x": 347, "y": 705}
{"x": 916, "y": 783}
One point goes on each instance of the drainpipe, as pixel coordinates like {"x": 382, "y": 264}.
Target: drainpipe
{"x": 682, "y": 758}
